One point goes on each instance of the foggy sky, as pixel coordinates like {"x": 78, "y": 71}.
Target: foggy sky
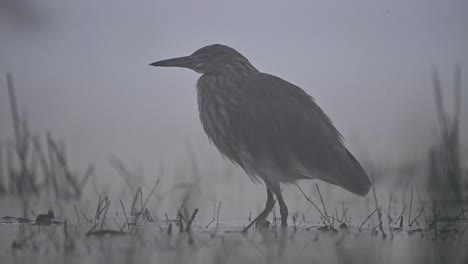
{"x": 83, "y": 72}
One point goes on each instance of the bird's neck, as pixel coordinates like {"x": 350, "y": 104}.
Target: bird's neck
{"x": 210, "y": 81}
{"x": 231, "y": 73}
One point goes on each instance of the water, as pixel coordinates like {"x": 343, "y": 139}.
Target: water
{"x": 150, "y": 242}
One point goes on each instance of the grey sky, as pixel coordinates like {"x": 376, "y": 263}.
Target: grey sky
{"x": 85, "y": 76}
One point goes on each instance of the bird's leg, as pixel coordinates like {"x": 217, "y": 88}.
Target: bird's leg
{"x": 270, "y": 203}
{"x": 283, "y": 210}
{"x": 264, "y": 214}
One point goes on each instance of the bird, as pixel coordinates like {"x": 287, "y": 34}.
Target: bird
{"x": 269, "y": 127}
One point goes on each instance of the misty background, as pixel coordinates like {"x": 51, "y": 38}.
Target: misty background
{"x": 81, "y": 71}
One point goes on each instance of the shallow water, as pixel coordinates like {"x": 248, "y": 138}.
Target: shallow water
{"x": 222, "y": 242}
{"x": 150, "y": 242}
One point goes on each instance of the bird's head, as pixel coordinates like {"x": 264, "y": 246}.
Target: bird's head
{"x": 214, "y": 58}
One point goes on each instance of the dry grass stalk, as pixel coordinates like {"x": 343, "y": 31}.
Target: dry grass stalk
{"x": 379, "y": 212}
{"x": 189, "y": 224}
{"x": 444, "y": 159}
{"x": 416, "y": 218}
{"x": 310, "y": 201}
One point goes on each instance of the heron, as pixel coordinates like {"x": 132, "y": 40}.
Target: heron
{"x": 269, "y": 127}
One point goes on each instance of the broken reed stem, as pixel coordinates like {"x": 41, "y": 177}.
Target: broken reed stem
{"x": 439, "y": 102}
{"x": 189, "y": 224}
{"x": 389, "y": 217}
{"x": 25, "y": 182}
{"x": 449, "y": 132}
{"x": 401, "y": 221}
{"x": 212, "y": 220}
{"x": 102, "y": 206}
{"x": 14, "y": 109}
{"x": 367, "y": 218}
{"x": 457, "y": 94}
{"x": 400, "y": 217}
{"x": 141, "y": 202}
{"x": 217, "y": 217}
{"x": 336, "y": 216}
{"x": 343, "y": 216}
{"x": 416, "y": 218}
{"x": 303, "y": 220}
{"x": 323, "y": 204}
{"x": 181, "y": 224}
{"x": 83, "y": 214}
{"x": 324, "y": 221}
{"x": 52, "y": 165}
{"x": 214, "y": 215}
{"x": 125, "y": 214}
{"x": 344, "y": 211}
{"x": 43, "y": 161}
{"x": 169, "y": 229}
{"x": 60, "y": 155}
{"x": 310, "y": 201}
{"x": 379, "y": 226}
{"x": 135, "y": 199}
{"x": 97, "y": 209}
{"x": 77, "y": 215}
{"x": 105, "y": 213}
{"x": 294, "y": 218}
{"x": 149, "y": 195}
{"x": 459, "y": 215}
{"x": 143, "y": 205}
{"x": 214, "y": 209}
{"x": 389, "y": 207}
{"x": 3, "y": 187}
{"x": 379, "y": 212}
{"x": 434, "y": 206}
{"x": 410, "y": 205}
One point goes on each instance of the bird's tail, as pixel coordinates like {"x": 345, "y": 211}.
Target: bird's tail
{"x": 353, "y": 176}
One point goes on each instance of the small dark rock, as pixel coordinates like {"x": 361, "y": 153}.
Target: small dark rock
{"x": 45, "y": 219}
{"x": 327, "y": 228}
{"x": 263, "y": 224}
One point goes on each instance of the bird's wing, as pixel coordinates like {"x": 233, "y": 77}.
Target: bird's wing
{"x": 283, "y": 124}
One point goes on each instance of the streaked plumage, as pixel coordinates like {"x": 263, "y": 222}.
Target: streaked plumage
{"x": 271, "y": 128}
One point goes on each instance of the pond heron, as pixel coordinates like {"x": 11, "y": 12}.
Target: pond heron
{"x": 269, "y": 127}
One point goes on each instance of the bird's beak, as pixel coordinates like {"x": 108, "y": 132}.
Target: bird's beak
{"x": 184, "y": 62}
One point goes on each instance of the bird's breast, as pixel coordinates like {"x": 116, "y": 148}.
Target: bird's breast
{"x": 219, "y": 105}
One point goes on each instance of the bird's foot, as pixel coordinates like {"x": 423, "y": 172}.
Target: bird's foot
{"x": 284, "y": 223}
{"x": 263, "y": 224}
